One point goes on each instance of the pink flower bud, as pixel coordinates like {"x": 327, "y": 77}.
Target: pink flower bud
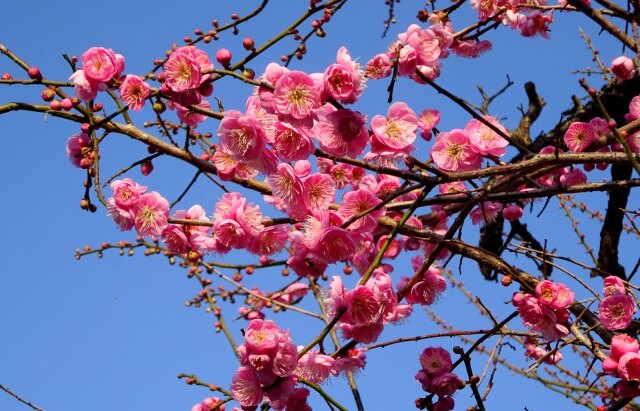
{"x": 623, "y": 68}
{"x": 55, "y": 105}
{"x": 34, "y": 73}
{"x": 66, "y": 104}
{"x": 249, "y": 44}
{"x": 224, "y": 57}
{"x": 48, "y": 94}
{"x": 146, "y": 168}
{"x": 512, "y": 212}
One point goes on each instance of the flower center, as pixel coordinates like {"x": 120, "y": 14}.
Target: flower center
{"x": 148, "y": 217}
{"x": 455, "y": 151}
{"x": 297, "y": 96}
{"x": 393, "y": 130}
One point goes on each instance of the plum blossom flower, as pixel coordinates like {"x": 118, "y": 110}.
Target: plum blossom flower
{"x": 623, "y": 68}
{"x": 629, "y": 366}
{"x": 292, "y": 143}
{"x": 341, "y": 132}
{"x": 541, "y": 318}
{"x": 378, "y": 67}
{"x": 426, "y": 290}
{"x": 295, "y": 96}
{"x": 356, "y": 202}
{"x": 486, "y": 212}
{"x": 183, "y": 70}
{"x": 579, "y": 136}
{"x": 427, "y": 120}
{"x": 190, "y": 117}
{"x": 134, "y": 92}
{"x": 150, "y": 214}
{"x": 471, "y": 48}
{"x": 616, "y": 311}
{"x": 483, "y": 139}
{"x": 343, "y": 81}
{"x": 398, "y": 129}
{"x": 268, "y": 358}
{"x": 613, "y": 285}
{"x": 622, "y": 344}
{"x": 315, "y": 367}
{"x": 100, "y": 64}
{"x": 534, "y": 351}
{"x": 554, "y": 295}
{"x": 85, "y": 89}
{"x": 241, "y": 135}
{"x": 246, "y": 388}
{"x": 452, "y": 152}
{"x": 512, "y": 212}
{"x": 435, "y": 361}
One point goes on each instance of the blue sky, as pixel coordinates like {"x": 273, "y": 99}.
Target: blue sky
{"x": 113, "y": 333}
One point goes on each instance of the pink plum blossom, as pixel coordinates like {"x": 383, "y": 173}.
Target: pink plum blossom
{"x": 378, "y": 67}
{"x": 343, "y": 81}
{"x": 134, "y": 92}
{"x": 341, "y": 132}
{"x": 356, "y": 202}
{"x": 292, "y": 143}
{"x": 452, "y": 152}
{"x": 613, "y": 285}
{"x": 85, "y": 88}
{"x": 485, "y": 212}
{"x": 100, "y": 64}
{"x": 512, "y": 212}
{"x": 622, "y": 344}
{"x": 192, "y": 118}
{"x": 579, "y": 136}
{"x": 483, "y": 139}
{"x": 536, "y": 352}
{"x": 629, "y": 367}
{"x": 623, "y": 68}
{"x": 472, "y": 48}
{"x": 296, "y": 96}
{"x": 246, "y": 388}
{"x": 426, "y": 290}
{"x": 315, "y": 367}
{"x": 151, "y": 212}
{"x": 616, "y": 311}
{"x": 435, "y": 361}
{"x": 241, "y": 135}
{"x": 184, "y": 69}
{"x": 398, "y": 129}
{"x": 554, "y": 295}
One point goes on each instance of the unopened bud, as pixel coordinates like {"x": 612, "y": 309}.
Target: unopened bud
{"x": 249, "y": 44}
{"x": 146, "y": 168}
{"x": 34, "y": 73}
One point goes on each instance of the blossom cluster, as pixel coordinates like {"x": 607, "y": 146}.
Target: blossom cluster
{"x": 538, "y": 353}
{"x": 436, "y": 377}
{"x": 462, "y": 150}
{"x": 366, "y": 308}
{"x": 624, "y": 362}
{"x": 270, "y": 368}
{"x": 131, "y": 206}
{"x": 546, "y": 312}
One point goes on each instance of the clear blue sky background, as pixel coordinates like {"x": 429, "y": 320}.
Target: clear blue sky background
{"x": 112, "y": 334}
